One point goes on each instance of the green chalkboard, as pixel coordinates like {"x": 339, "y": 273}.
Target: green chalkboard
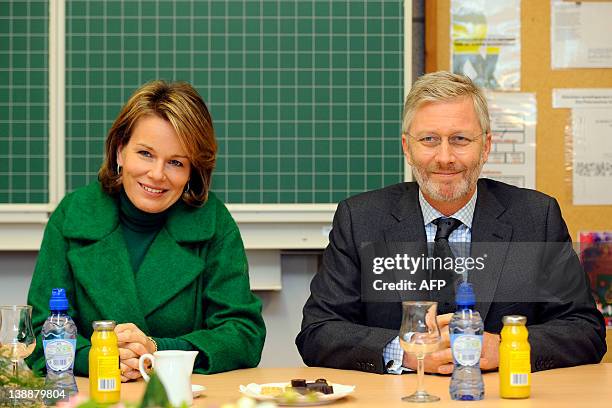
{"x": 306, "y": 96}
{"x": 24, "y": 134}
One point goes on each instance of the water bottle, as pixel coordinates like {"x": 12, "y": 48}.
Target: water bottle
{"x": 466, "y": 329}
{"x": 59, "y": 333}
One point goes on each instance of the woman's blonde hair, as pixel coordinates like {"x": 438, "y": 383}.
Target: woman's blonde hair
{"x": 444, "y": 86}
{"x": 181, "y": 105}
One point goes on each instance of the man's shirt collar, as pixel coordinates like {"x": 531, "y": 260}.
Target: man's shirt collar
{"x": 465, "y": 214}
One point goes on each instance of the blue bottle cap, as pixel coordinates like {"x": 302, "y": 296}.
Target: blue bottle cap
{"x": 465, "y": 295}
{"x": 58, "y": 299}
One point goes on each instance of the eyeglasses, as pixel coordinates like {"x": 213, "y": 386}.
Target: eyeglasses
{"x": 457, "y": 142}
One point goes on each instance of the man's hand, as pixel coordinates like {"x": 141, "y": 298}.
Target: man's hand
{"x": 489, "y": 358}
{"x": 132, "y": 344}
{"x": 441, "y": 361}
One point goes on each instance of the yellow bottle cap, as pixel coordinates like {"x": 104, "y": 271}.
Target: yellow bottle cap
{"x": 514, "y": 320}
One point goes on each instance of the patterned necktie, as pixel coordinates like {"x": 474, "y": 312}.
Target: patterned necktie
{"x": 446, "y": 295}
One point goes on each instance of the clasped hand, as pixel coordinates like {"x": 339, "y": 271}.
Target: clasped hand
{"x": 441, "y": 361}
{"x": 133, "y": 343}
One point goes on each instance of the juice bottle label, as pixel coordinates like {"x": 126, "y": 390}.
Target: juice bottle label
{"x": 59, "y": 353}
{"x": 520, "y": 368}
{"x": 107, "y": 374}
{"x": 466, "y": 348}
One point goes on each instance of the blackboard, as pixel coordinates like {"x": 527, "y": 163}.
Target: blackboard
{"x": 24, "y": 102}
{"x": 306, "y": 96}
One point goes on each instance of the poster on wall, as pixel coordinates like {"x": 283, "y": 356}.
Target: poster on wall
{"x": 592, "y": 156}
{"x": 581, "y": 34}
{"x": 581, "y": 98}
{"x": 513, "y": 127}
{"x": 486, "y": 43}
{"x": 595, "y": 249}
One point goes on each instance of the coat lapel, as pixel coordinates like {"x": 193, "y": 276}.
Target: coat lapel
{"x": 170, "y": 265}
{"x": 490, "y": 239}
{"x": 98, "y": 255}
{"x": 408, "y": 235}
{"x": 103, "y": 270}
{"x": 166, "y": 270}
{"x": 407, "y": 212}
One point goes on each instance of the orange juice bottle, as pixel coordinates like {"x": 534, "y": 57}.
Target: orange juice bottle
{"x": 514, "y": 359}
{"x": 104, "y": 372}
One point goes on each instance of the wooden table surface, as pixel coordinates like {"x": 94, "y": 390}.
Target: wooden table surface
{"x": 589, "y": 385}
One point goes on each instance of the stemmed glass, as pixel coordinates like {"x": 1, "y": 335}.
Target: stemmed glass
{"x": 419, "y": 335}
{"x": 17, "y": 339}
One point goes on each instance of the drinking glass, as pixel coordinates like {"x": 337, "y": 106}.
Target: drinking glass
{"x": 17, "y": 339}
{"x": 419, "y": 335}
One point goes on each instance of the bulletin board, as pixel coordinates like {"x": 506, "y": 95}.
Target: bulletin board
{"x": 552, "y": 177}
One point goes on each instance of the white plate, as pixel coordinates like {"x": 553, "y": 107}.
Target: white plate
{"x": 253, "y": 390}
{"x": 197, "y": 390}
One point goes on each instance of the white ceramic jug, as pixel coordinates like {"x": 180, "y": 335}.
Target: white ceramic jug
{"x": 173, "y": 367}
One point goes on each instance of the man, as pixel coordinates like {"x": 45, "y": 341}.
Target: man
{"x": 446, "y": 138}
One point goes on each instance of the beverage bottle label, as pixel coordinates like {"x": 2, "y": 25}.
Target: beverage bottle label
{"x": 59, "y": 353}
{"x": 520, "y": 368}
{"x": 466, "y": 348}
{"x": 107, "y": 374}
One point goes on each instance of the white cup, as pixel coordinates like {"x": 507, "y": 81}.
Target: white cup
{"x": 174, "y": 368}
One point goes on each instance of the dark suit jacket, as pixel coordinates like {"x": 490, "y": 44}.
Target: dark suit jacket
{"x": 339, "y": 330}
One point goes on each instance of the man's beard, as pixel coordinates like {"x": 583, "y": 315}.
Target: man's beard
{"x": 448, "y": 192}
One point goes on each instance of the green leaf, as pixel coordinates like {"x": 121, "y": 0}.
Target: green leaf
{"x": 155, "y": 395}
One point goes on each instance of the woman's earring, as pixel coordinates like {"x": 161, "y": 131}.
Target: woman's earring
{"x": 186, "y": 189}
{"x": 119, "y": 168}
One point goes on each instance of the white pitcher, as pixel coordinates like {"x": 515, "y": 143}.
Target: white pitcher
{"x": 173, "y": 367}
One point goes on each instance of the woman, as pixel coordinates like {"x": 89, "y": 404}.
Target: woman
{"x": 148, "y": 245}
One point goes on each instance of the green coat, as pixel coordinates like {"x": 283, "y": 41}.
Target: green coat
{"x": 193, "y": 283}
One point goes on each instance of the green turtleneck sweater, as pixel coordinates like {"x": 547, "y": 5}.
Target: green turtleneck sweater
{"x": 139, "y": 230}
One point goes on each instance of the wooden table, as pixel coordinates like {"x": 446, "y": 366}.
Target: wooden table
{"x": 589, "y": 385}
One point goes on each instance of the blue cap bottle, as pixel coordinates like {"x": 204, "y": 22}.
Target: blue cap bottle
{"x": 465, "y": 297}
{"x": 466, "y": 329}
{"x": 59, "y": 333}
{"x": 58, "y": 300}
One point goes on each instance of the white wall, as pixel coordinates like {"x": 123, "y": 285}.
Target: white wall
{"x": 15, "y": 275}
{"x": 282, "y": 310}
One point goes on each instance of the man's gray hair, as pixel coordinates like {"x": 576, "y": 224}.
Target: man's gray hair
{"x": 444, "y": 86}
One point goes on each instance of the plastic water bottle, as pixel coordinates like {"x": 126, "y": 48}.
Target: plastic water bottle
{"x": 59, "y": 333}
{"x": 466, "y": 329}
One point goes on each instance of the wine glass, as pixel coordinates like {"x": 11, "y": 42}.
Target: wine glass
{"x": 17, "y": 339}
{"x": 419, "y": 335}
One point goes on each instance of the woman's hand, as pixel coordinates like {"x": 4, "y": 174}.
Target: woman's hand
{"x": 128, "y": 363}
{"x": 133, "y": 343}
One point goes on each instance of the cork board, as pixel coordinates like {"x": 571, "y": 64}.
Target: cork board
{"x": 552, "y": 177}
